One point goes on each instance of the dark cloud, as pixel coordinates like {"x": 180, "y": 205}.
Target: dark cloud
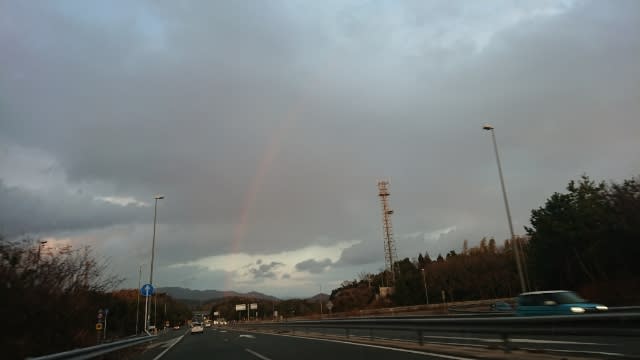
{"x": 314, "y": 267}
{"x": 265, "y": 271}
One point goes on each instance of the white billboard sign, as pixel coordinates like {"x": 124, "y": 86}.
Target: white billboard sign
{"x": 253, "y": 307}
{"x": 241, "y": 307}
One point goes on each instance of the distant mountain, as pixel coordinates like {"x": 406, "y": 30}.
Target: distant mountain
{"x": 319, "y": 298}
{"x": 206, "y": 295}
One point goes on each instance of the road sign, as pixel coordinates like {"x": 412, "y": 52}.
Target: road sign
{"x": 241, "y": 307}
{"x": 99, "y": 326}
{"x": 147, "y": 290}
{"x": 253, "y": 306}
{"x": 216, "y": 313}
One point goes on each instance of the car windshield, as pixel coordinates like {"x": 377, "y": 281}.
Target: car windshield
{"x": 567, "y": 297}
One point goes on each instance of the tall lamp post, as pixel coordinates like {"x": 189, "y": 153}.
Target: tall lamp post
{"x": 424, "y": 279}
{"x": 516, "y": 249}
{"x": 153, "y": 249}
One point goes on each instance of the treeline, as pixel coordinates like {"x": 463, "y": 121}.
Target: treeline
{"x": 587, "y": 239}
{"x": 50, "y": 299}
{"x": 481, "y": 272}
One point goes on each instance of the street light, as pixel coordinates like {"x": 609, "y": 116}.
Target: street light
{"x": 153, "y": 249}
{"x": 516, "y": 251}
{"x": 424, "y": 278}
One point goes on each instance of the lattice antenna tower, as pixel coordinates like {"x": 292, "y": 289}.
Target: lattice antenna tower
{"x": 390, "y": 255}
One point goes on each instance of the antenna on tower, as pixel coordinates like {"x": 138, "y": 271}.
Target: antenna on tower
{"x": 390, "y": 255}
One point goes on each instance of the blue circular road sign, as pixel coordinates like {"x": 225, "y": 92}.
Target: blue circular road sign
{"x": 147, "y": 290}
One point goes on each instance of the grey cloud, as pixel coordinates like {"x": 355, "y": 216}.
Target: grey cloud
{"x": 285, "y": 276}
{"x": 265, "y": 270}
{"x": 362, "y": 254}
{"x": 314, "y": 267}
{"x": 25, "y": 212}
{"x": 269, "y": 134}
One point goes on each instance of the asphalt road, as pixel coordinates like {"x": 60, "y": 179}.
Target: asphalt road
{"x": 226, "y": 342}
{"x": 230, "y": 344}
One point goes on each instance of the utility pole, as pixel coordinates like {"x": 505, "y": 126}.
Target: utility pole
{"x": 138, "y": 298}
{"x": 320, "y": 300}
{"x": 424, "y": 278}
{"x": 40, "y": 245}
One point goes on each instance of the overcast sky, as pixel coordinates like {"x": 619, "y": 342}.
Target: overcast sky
{"x": 267, "y": 125}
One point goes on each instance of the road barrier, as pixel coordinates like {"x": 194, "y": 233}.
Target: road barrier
{"x": 615, "y": 324}
{"x": 94, "y": 351}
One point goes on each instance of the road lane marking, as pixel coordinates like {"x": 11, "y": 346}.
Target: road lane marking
{"x": 259, "y": 356}
{"x": 580, "y": 352}
{"x": 168, "y": 348}
{"x": 443, "y": 356}
{"x": 517, "y": 340}
{"x": 248, "y": 336}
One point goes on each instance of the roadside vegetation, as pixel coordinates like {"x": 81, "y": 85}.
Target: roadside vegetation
{"x": 50, "y": 299}
{"x": 584, "y": 239}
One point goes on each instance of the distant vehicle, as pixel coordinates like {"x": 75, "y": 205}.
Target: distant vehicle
{"x": 500, "y": 306}
{"x": 197, "y": 328}
{"x": 177, "y": 327}
{"x": 555, "y": 302}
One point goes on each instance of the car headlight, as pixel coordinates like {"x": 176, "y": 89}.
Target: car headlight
{"x": 577, "y": 310}
{"x": 601, "y": 307}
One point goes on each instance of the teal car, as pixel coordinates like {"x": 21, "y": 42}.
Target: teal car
{"x": 555, "y": 302}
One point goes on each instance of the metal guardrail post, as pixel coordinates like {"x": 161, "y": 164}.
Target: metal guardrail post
{"x": 94, "y": 351}
{"x": 506, "y": 343}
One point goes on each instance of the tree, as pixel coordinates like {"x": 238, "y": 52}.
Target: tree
{"x": 38, "y": 286}
{"x": 492, "y": 246}
{"x": 586, "y": 238}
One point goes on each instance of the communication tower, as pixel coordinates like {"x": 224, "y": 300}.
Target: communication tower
{"x": 390, "y": 255}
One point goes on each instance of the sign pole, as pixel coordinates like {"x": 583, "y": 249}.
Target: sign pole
{"x": 106, "y": 315}
{"x": 146, "y": 320}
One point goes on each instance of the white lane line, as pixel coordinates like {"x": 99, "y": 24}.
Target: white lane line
{"x": 380, "y": 347}
{"x": 259, "y": 356}
{"x": 248, "y": 336}
{"x": 517, "y": 340}
{"x": 579, "y": 352}
{"x": 168, "y": 348}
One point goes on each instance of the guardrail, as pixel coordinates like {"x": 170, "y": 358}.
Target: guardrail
{"x": 617, "y": 324}
{"x": 93, "y": 351}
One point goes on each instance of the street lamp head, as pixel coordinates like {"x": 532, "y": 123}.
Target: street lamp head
{"x": 487, "y": 127}
{"x": 159, "y": 197}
